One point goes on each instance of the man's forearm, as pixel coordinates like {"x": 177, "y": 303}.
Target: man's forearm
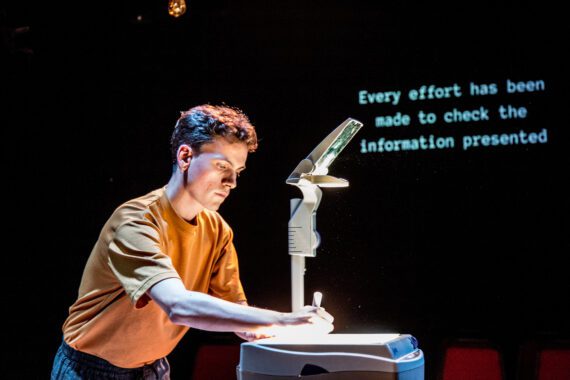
{"x": 205, "y": 312}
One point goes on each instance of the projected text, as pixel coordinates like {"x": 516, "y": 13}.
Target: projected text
{"x": 450, "y": 107}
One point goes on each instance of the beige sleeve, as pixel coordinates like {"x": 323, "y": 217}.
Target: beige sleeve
{"x": 137, "y": 259}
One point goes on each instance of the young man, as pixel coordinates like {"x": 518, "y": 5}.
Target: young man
{"x": 165, "y": 262}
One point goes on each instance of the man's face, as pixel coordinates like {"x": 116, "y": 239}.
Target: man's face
{"x": 213, "y": 172}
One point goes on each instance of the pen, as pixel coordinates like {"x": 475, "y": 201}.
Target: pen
{"x": 317, "y": 298}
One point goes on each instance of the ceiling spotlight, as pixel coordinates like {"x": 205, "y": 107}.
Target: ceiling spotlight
{"x": 176, "y": 8}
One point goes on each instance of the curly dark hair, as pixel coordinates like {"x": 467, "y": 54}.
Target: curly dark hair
{"x": 201, "y": 124}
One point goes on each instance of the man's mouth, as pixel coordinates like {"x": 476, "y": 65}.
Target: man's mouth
{"x": 222, "y": 194}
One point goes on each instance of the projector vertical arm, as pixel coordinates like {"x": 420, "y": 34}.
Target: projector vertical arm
{"x": 303, "y": 238}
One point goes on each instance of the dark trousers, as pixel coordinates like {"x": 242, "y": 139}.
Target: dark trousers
{"x": 70, "y": 364}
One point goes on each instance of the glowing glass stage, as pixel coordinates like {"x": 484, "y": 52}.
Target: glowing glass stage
{"x": 333, "y": 357}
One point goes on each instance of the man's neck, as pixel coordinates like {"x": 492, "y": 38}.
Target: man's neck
{"x": 186, "y": 207}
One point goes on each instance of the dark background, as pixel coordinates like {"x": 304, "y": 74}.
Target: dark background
{"x": 438, "y": 244}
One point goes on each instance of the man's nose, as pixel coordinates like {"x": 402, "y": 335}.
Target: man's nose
{"x": 230, "y": 180}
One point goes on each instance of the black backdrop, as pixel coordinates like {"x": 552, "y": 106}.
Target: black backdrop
{"x": 436, "y": 243}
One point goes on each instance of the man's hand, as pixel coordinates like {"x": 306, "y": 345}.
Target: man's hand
{"x": 309, "y": 320}
{"x": 309, "y": 314}
{"x": 252, "y": 336}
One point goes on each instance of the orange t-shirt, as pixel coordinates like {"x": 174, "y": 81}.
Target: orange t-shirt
{"x": 144, "y": 242}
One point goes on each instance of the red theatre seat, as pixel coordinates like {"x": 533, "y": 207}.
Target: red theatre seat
{"x": 544, "y": 359}
{"x": 216, "y": 362}
{"x": 469, "y": 360}
{"x": 554, "y": 364}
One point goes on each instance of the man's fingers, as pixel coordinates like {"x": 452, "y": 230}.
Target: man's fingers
{"x": 323, "y": 314}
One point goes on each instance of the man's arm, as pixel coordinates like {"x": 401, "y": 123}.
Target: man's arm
{"x": 205, "y": 312}
{"x": 250, "y": 336}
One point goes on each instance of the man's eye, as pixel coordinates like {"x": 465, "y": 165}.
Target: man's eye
{"x": 222, "y": 166}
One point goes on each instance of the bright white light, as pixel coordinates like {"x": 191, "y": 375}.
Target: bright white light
{"x": 331, "y": 339}
{"x": 315, "y": 330}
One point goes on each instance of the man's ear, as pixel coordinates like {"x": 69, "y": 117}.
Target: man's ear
{"x": 183, "y": 157}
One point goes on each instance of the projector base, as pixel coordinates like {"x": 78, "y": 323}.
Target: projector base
{"x": 414, "y": 374}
